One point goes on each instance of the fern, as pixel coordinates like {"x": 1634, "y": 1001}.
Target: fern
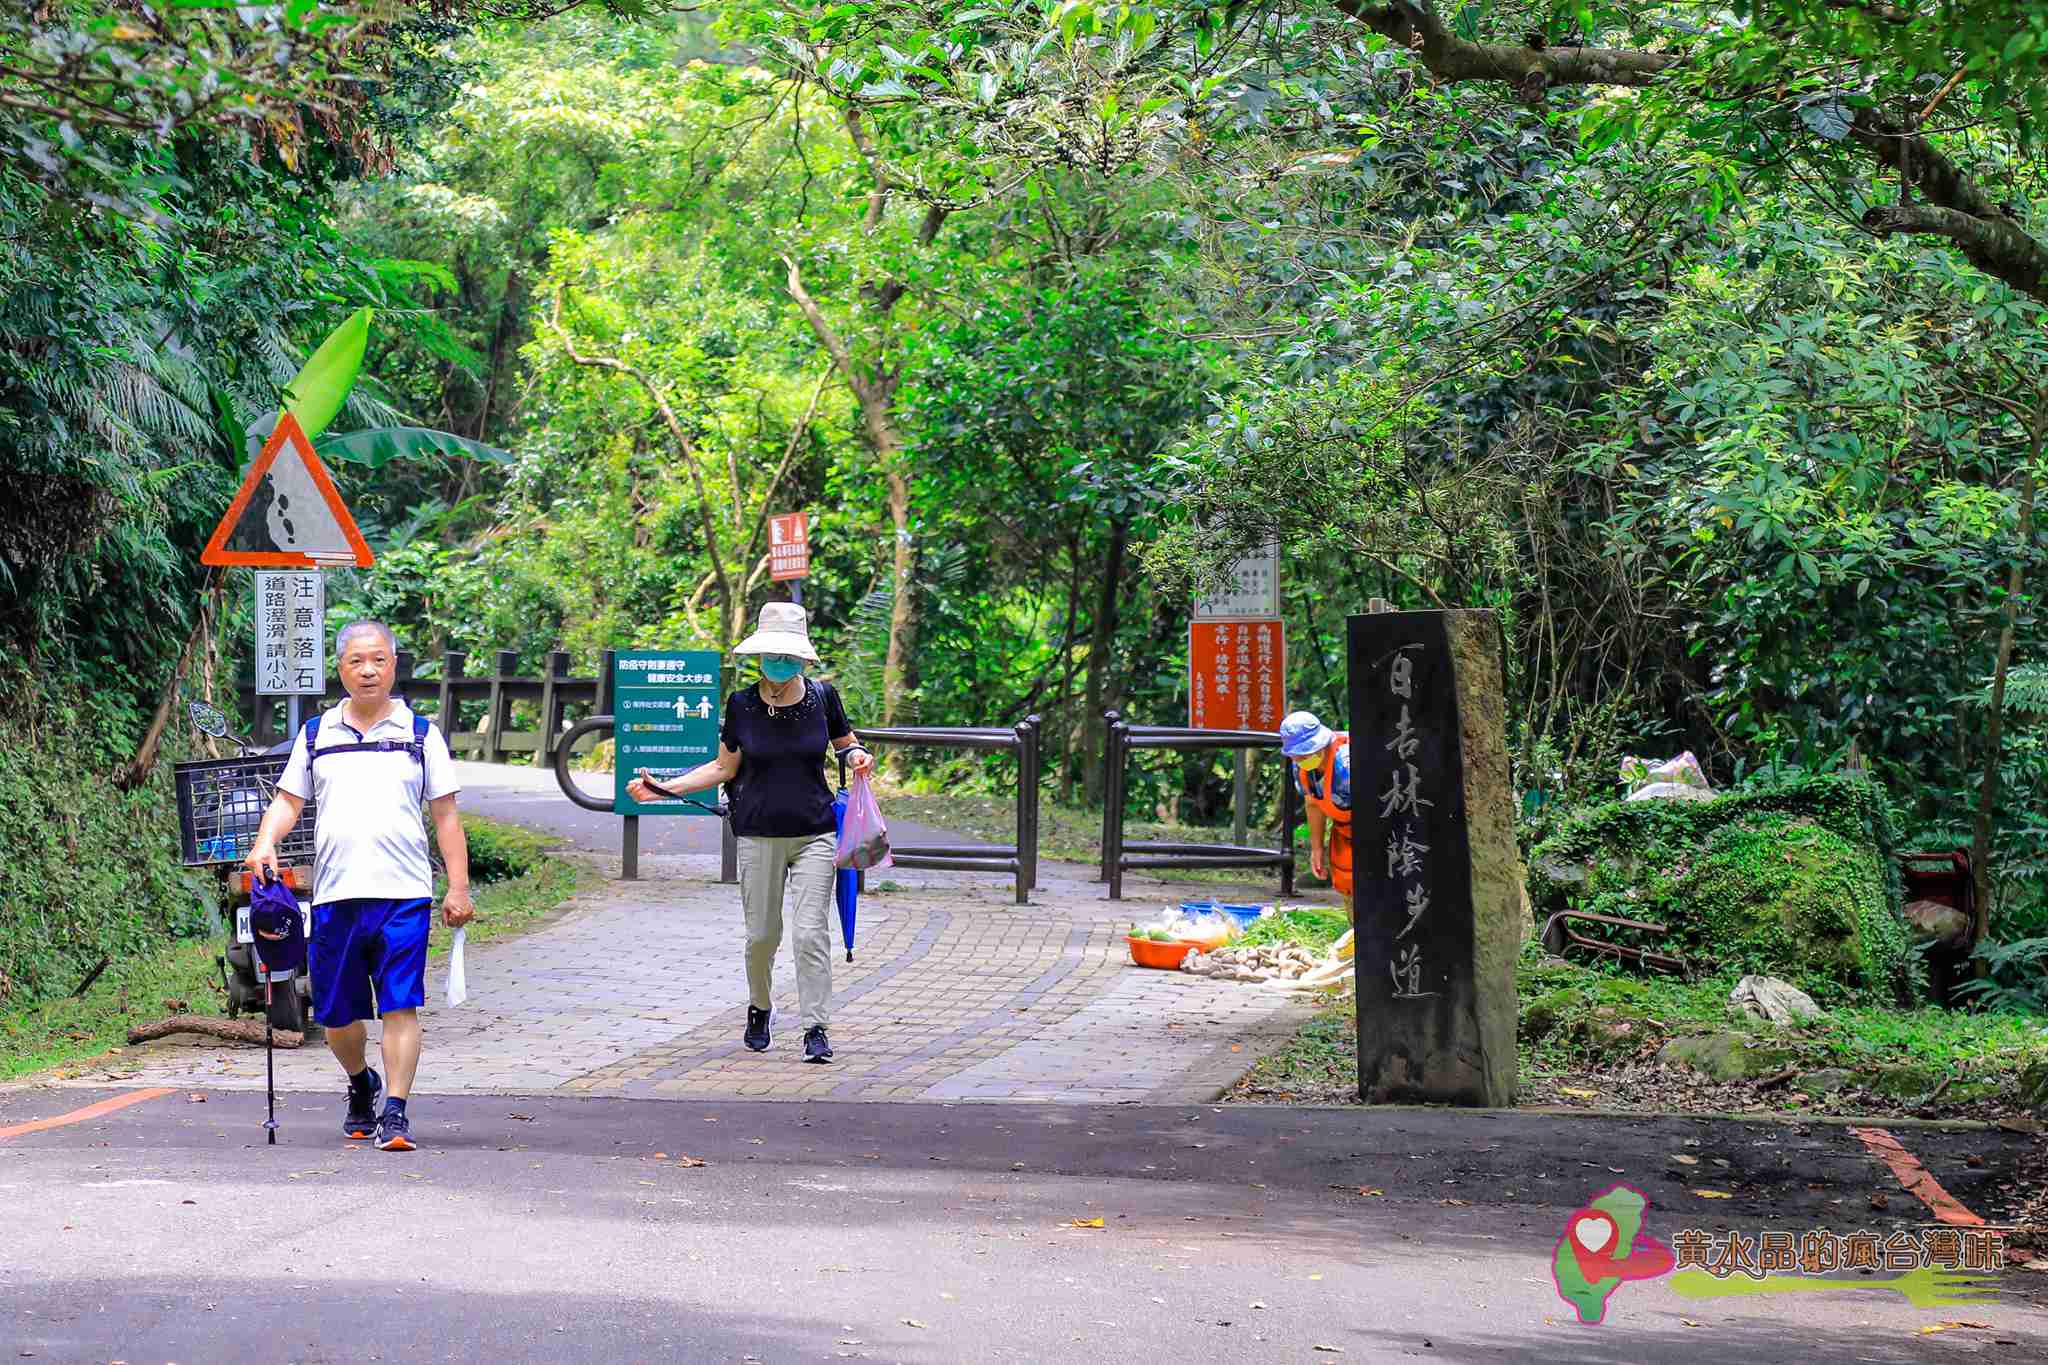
{"x": 2018, "y": 979}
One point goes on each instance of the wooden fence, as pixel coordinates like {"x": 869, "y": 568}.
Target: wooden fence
{"x": 558, "y": 699}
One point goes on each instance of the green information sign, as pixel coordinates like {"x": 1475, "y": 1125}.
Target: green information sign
{"x": 666, "y": 704}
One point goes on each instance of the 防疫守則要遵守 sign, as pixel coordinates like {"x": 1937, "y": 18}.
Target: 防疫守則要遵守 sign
{"x": 666, "y": 706}
{"x": 291, "y": 634}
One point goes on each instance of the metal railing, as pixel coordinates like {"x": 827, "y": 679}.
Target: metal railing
{"x": 445, "y": 698}
{"x": 1121, "y": 855}
{"x": 1020, "y": 859}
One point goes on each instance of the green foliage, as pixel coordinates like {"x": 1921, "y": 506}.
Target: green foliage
{"x": 1798, "y": 881}
{"x": 500, "y": 852}
{"x": 85, "y": 870}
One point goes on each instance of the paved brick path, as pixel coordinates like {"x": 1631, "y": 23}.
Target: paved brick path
{"x": 954, "y": 994}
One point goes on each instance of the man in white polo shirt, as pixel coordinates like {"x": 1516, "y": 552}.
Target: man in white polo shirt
{"x": 371, "y": 762}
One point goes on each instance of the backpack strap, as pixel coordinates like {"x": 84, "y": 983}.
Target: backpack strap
{"x": 417, "y": 746}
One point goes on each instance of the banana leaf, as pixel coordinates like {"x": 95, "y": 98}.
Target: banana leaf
{"x": 318, "y": 390}
{"x": 380, "y": 445}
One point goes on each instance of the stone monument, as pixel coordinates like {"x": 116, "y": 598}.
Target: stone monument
{"x": 1437, "y": 875}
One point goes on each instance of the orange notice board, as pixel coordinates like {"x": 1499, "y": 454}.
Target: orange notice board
{"x": 789, "y": 546}
{"x": 1237, "y": 675}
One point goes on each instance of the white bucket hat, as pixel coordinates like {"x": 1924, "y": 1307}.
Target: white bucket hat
{"x": 782, "y": 629}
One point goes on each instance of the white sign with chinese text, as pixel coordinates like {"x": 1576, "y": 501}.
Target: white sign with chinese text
{"x": 1254, "y": 591}
{"x": 291, "y": 634}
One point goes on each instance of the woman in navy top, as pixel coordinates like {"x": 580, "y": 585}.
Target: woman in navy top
{"x": 771, "y": 758}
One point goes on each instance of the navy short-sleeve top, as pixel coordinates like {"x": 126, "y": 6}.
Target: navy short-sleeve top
{"x": 781, "y": 791}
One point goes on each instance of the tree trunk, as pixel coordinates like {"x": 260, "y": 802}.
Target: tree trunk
{"x": 902, "y": 607}
{"x": 1101, "y": 643}
{"x": 139, "y": 767}
{"x": 248, "y": 1031}
{"x": 1987, "y": 792}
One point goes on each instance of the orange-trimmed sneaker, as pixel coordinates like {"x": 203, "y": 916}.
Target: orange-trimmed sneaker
{"x": 394, "y": 1132}
{"x": 362, "y": 1107}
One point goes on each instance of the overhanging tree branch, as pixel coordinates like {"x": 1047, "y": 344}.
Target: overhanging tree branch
{"x": 1956, "y": 208}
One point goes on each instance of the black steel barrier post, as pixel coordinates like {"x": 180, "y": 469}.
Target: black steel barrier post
{"x": 1288, "y": 796}
{"x": 1109, "y": 720}
{"x": 1120, "y": 855}
{"x": 971, "y": 857}
{"x": 629, "y": 848}
{"x": 1113, "y": 794}
{"x": 1027, "y": 800}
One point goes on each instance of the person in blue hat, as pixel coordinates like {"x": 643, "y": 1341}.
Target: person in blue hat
{"x": 1321, "y": 760}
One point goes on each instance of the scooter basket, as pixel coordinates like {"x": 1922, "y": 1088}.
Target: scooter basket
{"x": 221, "y": 802}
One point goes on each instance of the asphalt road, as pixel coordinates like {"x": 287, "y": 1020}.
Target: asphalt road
{"x": 555, "y": 1229}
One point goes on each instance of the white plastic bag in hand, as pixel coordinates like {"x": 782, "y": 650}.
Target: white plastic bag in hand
{"x": 458, "y": 987}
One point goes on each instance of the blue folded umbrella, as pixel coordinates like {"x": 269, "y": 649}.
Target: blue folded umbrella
{"x": 846, "y": 884}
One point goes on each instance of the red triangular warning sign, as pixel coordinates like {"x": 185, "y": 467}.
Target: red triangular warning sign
{"x": 287, "y": 514}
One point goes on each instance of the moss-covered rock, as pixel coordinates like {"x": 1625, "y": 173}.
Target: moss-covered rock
{"x": 1725, "y": 1056}
{"x": 1798, "y": 881}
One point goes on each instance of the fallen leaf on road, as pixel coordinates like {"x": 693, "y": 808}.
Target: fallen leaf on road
{"x": 523, "y": 1118}
{"x": 1333, "y": 1350}
{"x": 1085, "y": 1223}
{"x": 1713, "y": 1194}
{"x": 850, "y": 1341}
{"x": 1369, "y": 1192}
{"x": 1682, "y": 1159}
{"x": 1455, "y": 1203}
{"x": 1257, "y": 1304}
{"x": 1951, "y": 1326}
{"x": 691, "y": 1161}
{"x": 757, "y": 1141}
{"x": 1562, "y": 1090}
{"x": 1688, "y": 1322}
{"x": 913, "y": 1322}
{"x": 1317, "y": 1276}
{"x": 661, "y": 1156}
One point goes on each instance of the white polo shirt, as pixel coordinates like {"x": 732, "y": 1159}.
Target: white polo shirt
{"x": 369, "y": 841}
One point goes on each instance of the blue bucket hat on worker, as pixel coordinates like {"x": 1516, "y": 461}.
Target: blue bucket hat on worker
{"x": 280, "y": 931}
{"x": 1302, "y": 734}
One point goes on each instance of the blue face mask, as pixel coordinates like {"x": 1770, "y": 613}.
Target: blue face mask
{"x": 780, "y": 668}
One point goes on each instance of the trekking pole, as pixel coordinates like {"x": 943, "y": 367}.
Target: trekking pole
{"x": 269, "y": 1067}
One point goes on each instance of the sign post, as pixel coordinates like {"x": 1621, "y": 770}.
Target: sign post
{"x": 789, "y": 551}
{"x": 291, "y": 639}
{"x": 665, "y": 708}
{"x": 1237, "y": 665}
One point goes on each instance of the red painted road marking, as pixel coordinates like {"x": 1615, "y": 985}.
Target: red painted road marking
{"x": 1915, "y": 1178}
{"x": 91, "y": 1111}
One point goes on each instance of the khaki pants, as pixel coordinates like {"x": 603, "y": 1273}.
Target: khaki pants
{"x": 802, "y": 868}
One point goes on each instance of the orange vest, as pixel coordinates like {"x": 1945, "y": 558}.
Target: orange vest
{"x": 1339, "y": 818}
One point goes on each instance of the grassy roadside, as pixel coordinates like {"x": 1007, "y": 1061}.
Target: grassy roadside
{"x": 1597, "y": 1038}
{"x": 517, "y": 887}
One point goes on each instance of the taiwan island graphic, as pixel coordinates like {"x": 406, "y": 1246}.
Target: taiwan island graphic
{"x": 1604, "y": 1245}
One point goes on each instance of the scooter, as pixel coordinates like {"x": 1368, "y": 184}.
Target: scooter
{"x": 221, "y": 804}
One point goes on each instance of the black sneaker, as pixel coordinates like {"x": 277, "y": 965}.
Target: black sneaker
{"x": 362, "y": 1107}
{"x": 817, "y": 1047}
{"x": 394, "y": 1132}
{"x": 756, "y": 1036}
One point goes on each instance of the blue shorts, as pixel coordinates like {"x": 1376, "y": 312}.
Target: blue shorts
{"x": 359, "y": 944}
